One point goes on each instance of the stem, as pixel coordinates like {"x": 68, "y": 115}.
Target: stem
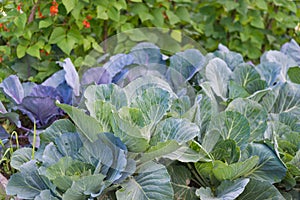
{"x": 98, "y": 167}
{"x": 105, "y": 36}
{"x": 201, "y": 180}
{"x": 34, "y": 140}
{"x": 32, "y": 12}
{"x": 25, "y": 129}
{"x": 17, "y": 138}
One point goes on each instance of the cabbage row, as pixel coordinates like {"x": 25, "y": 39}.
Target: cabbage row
{"x": 145, "y": 125}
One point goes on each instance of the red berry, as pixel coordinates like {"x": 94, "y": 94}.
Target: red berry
{"x": 19, "y": 7}
{"x": 1, "y": 25}
{"x": 1, "y": 59}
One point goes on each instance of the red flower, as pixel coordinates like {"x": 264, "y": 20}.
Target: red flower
{"x": 54, "y": 3}
{"x": 86, "y": 24}
{"x": 89, "y": 17}
{"x": 19, "y": 7}
{"x": 54, "y": 8}
{"x": 1, "y": 25}
{"x": 41, "y": 16}
{"x": 5, "y": 28}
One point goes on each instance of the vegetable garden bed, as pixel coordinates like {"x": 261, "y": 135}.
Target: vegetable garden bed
{"x": 150, "y": 126}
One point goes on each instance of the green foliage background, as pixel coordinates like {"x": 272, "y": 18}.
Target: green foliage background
{"x": 30, "y": 44}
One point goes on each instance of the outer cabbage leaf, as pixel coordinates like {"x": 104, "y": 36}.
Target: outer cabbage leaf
{"x": 187, "y": 63}
{"x": 270, "y": 168}
{"x": 108, "y": 93}
{"x": 71, "y": 75}
{"x": 246, "y": 76}
{"x": 179, "y": 83}
{"x": 27, "y": 184}
{"x": 20, "y": 157}
{"x": 13, "y": 89}
{"x": 96, "y": 75}
{"x": 133, "y": 72}
{"x": 102, "y": 111}
{"x": 56, "y": 129}
{"x": 222, "y": 171}
{"x": 51, "y": 155}
{"x": 45, "y": 195}
{"x": 40, "y": 106}
{"x": 227, "y": 190}
{"x": 13, "y": 117}
{"x": 200, "y": 113}
{"x": 257, "y": 190}
{"x": 231, "y": 58}
{"x": 146, "y": 53}
{"x": 129, "y": 133}
{"x": 283, "y": 60}
{"x": 270, "y": 72}
{"x": 228, "y": 125}
{"x": 185, "y": 154}
{"x": 117, "y": 63}
{"x": 36, "y": 101}
{"x": 153, "y": 104}
{"x": 160, "y": 150}
{"x": 180, "y": 180}
{"x": 255, "y": 114}
{"x": 56, "y": 79}
{"x": 69, "y": 144}
{"x": 112, "y": 156}
{"x": 290, "y": 120}
{"x": 292, "y": 49}
{"x": 287, "y": 99}
{"x": 296, "y": 160}
{"x": 293, "y": 74}
{"x": 226, "y": 151}
{"x": 180, "y": 130}
{"x": 85, "y": 187}
{"x": 87, "y": 125}
{"x": 151, "y": 182}
{"x": 180, "y": 106}
{"x": 218, "y": 74}
{"x": 67, "y": 170}
{"x": 137, "y": 86}
{"x": 236, "y": 90}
